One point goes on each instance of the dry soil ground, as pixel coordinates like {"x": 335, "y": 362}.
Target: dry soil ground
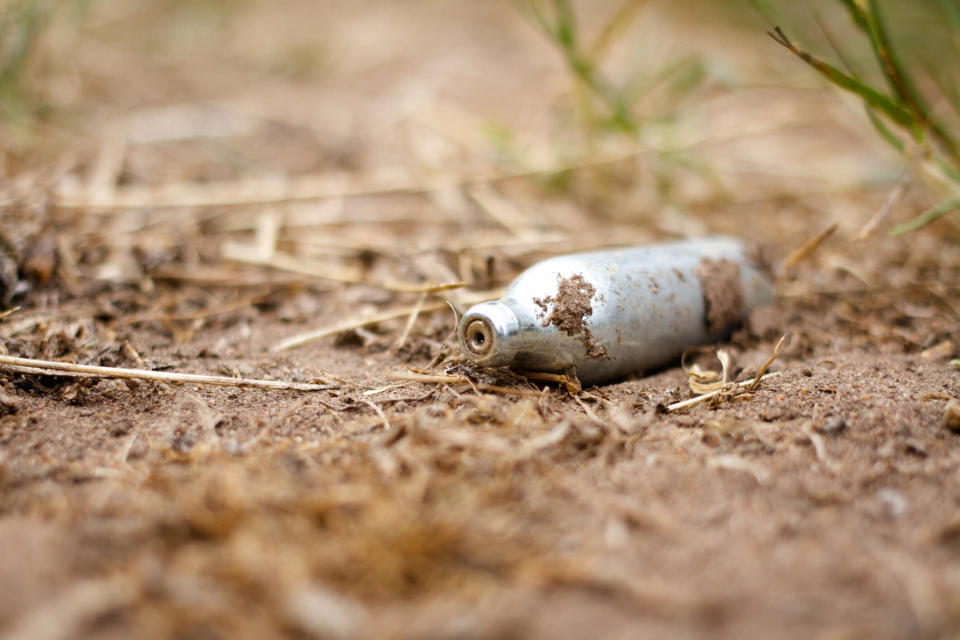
{"x": 218, "y": 178}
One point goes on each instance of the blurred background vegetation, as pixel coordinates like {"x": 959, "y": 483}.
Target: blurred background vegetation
{"x": 62, "y": 62}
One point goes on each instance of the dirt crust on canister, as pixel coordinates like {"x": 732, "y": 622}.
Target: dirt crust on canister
{"x": 571, "y": 308}
{"x": 722, "y": 294}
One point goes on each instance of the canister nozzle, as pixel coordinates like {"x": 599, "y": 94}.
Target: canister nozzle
{"x": 478, "y": 337}
{"x": 486, "y": 331}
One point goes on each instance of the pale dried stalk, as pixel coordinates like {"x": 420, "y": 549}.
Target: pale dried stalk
{"x": 312, "y": 188}
{"x": 292, "y": 264}
{"x": 766, "y": 365}
{"x": 504, "y": 212}
{"x": 383, "y": 416}
{"x": 895, "y": 197}
{"x": 808, "y": 247}
{"x": 86, "y": 370}
{"x": 309, "y": 336}
{"x": 304, "y": 266}
{"x": 411, "y": 320}
{"x": 698, "y": 399}
{"x": 440, "y": 378}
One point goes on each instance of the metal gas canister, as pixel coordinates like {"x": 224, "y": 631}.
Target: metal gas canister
{"x": 605, "y": 314}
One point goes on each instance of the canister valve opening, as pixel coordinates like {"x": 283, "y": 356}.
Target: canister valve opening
{"x": 478, "y": 337}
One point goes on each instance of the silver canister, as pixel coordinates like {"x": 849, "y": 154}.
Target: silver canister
{"x": 605, "y": 314}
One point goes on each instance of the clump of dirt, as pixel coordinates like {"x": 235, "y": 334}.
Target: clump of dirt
{"x": 571, "y": 307}
{"x": 722, "y": 294}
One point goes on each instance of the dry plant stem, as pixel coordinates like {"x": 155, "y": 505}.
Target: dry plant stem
{"x": 766, "y": 365}
{"x": 294, "y": 264}
{"x": 698, "y": 399}
{"x": 407, "y": 328}
{"x": 383, "y": 416}
{"x": 309, "y": 336}
{"x": 571, "y": 384}
{"x": 304, "y": 338}
{"x": 504, "y": 212}
{"x": 47, "y": 366}
{"x": 448, "y": 379}
{"x": 809, "y": 247}
{"x": 226, "y": 307}
{"x": 213, "y": 195}
{"x": 214, "y": 277}
{"x": 896, "y": 195}
{"x": 590, "y": 414}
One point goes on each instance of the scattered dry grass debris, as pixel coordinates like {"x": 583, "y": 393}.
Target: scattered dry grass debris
{"x": 299, "y": 195}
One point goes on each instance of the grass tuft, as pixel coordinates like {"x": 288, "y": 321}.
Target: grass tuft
{"x": 899, "y": 104}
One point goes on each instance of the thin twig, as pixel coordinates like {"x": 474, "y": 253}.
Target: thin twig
{"x": 310, "y": 336}
{"x": 223, "y": 194}
{"x": 572, "y": 384}
{"x": 304, "y": 266}
{"x": 504, "y": 212}
{"x": 411, "y": 320}
{"x": 698, "y": 399}
{"x": 306, "y": 337}
{"x": 383, "y": 416}
{"x": 766, "y": 365}
{"x": 46, "y": 366}
{"x": 807, "y": 248}
{"x": 896, "y": 195}
{"x": 449, "y": 379}
{"x": 200, "y": 314}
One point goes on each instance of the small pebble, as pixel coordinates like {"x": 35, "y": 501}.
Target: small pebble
{"x": 951, "y": 416}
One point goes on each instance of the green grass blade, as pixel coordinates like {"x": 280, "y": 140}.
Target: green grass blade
{"x": 927, "y": 216}
{"x": 892, "y": 139}
{"x": 903, "y": 84}
{"x": 951, "y": 10}
{"x": 857, "y": 14}
{"x": 868, "y": 94}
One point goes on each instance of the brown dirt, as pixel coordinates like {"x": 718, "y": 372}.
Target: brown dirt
{"x": 722, "y": 294}
{"x": 570, "y": 310}
{"x": 822, "y": 504}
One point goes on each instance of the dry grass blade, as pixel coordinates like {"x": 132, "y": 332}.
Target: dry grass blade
{"x": 698, "y": 399}
{"x": 409, "y": 287}
{"x": 896, "y": 195}
{"x": 48, "y": 366}
{"x": 309, "y": 336}
{"x": 571, "y": 384}
{"x": 207, "y": 276}
{"x": 292, "y": 264}
{"x": 442, "y": 378}
{"x": 380, "y": 413}
{"x": 304, "y": 266}
{"x": 702, "y": 381}
{"x": 227, "y": 307}
{"x": 809, "y": 247}
{"x": 407, "y": 328}
{"x": 254, "y": 193}
{"x": 504, "y": 212}
{"x": 766, "y": 365}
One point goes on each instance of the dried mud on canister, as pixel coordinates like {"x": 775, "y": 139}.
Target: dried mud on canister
{"x": 605, "y": 314}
